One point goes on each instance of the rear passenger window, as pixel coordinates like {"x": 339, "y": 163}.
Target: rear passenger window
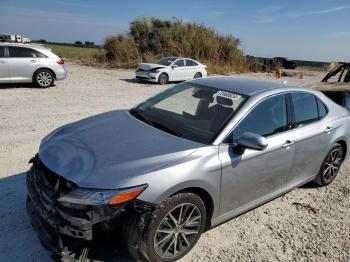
{"x": 20, "y": 52}
{"x": 347, "y": 101}
{"x": 305, "y": 108}
{"x": 190, "y": 63}
{"x": 2, "y": 51}
{"x": 38, "y": 54}
{"x": 322, "y": 109}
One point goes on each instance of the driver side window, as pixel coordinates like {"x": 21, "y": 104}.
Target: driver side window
{"x": 267, "y": 118}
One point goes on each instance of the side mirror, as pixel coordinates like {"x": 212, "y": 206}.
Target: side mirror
{"x": 174, "y": 66}
{"x": 251, "y": 141}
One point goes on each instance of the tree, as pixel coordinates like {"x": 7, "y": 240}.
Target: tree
{"x": 78, "y": 43}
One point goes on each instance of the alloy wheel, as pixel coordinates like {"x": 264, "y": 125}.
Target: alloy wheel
{"x": 332, "y": 164}
{"x": 177, "y": 231}
{"x": 197, "y": 75}
{"x": 44, "y": 79}
{"x": 163, "y": 79}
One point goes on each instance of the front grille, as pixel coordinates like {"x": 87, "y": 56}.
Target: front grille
{"x": 58, "y": 184}
{"x": 44, "y": 189}
{"x": 51, "y": 183}
{"x": 141, "y": 77}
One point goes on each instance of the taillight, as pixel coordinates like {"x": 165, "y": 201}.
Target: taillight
{"x": 60, "y": 62}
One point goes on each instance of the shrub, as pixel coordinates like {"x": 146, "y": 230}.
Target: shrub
{"x": 151, "y": 38}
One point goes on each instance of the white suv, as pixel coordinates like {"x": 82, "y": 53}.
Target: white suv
{"x": 27, "y": 63}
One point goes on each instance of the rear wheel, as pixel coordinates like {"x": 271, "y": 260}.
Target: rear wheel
{"x": 43, "y": 78}
{"x": 331, "y": 165}
{"x": 175, "y": 227}
{"x": 163, "y": 79}
{"x": 198, "y": 75}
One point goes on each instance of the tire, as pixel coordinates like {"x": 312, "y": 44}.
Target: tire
{"x": 330, "y": 166}
{"x": 165, "y": 239}
{"x": 163, "y": 79}
{"x": 43, "y": 78}
{"x": 198, "y": 75}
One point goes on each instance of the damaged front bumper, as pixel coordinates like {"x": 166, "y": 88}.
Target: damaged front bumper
{"x": 146, "y": 75}
{"x": 56, "y": 223}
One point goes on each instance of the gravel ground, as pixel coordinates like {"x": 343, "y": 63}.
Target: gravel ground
{"x": 308, "y": 224}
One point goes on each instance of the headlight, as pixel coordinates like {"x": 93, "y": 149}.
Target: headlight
{"x": 90, "y": 197}
{"x": 154, "y": 71}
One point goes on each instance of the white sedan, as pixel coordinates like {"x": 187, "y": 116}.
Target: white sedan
{"x": 171, "y": 69}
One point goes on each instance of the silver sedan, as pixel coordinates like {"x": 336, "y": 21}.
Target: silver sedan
{"x": 186, "y": 160}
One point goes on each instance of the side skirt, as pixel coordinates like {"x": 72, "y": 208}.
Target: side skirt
{"x": 254, "y": 204}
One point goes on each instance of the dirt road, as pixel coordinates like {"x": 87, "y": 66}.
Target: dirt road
{"x": 308, "y": 224}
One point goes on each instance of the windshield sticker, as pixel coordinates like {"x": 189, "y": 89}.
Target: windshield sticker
{"x": 228, "y": 95}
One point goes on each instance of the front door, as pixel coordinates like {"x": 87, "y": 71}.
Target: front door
{"x": 251, "y": 178}
{"x": 22, "y": 64}
{"x": 4, "y": 69}
{"x": 178, "y": 70}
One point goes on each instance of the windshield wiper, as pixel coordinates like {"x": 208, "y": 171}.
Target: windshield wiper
{"x": 160, "y": 126}
{"x": 139, "y": 116}
{"x": 167, "y": 129}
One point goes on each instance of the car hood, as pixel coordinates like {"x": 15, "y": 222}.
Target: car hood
{"x": 107, "y": 150}
{"x": 150, "y": 66}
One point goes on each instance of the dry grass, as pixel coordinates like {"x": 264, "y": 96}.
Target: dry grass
{"x": 150, "y": 39}
{"x": 74, "y": 52}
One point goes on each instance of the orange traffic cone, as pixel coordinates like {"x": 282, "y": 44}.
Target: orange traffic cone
{"x": 301, "y": 75}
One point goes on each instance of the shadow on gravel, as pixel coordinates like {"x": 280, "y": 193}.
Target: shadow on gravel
{"x": 137, "y": 81}
{"x": 310, "y": 185}
{"x": 21, "y": 85}
{"x": 19, "y": 241}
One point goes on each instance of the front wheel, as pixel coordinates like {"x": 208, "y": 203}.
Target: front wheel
{"x": 175, "y": 227}
{"x": 331, "y": 165}
{"x": 43, "y": 78}
{"x": 163, "y": 79}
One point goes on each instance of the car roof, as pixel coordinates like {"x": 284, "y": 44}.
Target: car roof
{"x": 242, "y": 86}
{"x": 176, "y": 57}
{"x": 23, "y": 45}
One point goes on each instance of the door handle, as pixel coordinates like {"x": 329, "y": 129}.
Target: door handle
{"x": 2, "y": 62}
{"x": 33, "y": 61}
{"x": 288, "y": 144}
{"x": 329, "y": 130}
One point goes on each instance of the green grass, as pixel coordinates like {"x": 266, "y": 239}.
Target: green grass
{"x": 73, "y": 52}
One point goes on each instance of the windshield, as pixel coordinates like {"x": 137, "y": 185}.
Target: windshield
{"x": 194, "y": 112}
{"x": 166, "y": 61}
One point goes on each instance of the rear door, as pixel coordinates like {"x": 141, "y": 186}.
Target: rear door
{"x": 4, "y": 70}
{"x": 22, "y": 62}
{"x": 310, "y": 137}
{"x": 191, "y": 68}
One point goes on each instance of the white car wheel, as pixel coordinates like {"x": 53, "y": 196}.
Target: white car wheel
{"x": 163, "y": 79}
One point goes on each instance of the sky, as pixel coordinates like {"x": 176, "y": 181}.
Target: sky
{"x": 317, "y": 30}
